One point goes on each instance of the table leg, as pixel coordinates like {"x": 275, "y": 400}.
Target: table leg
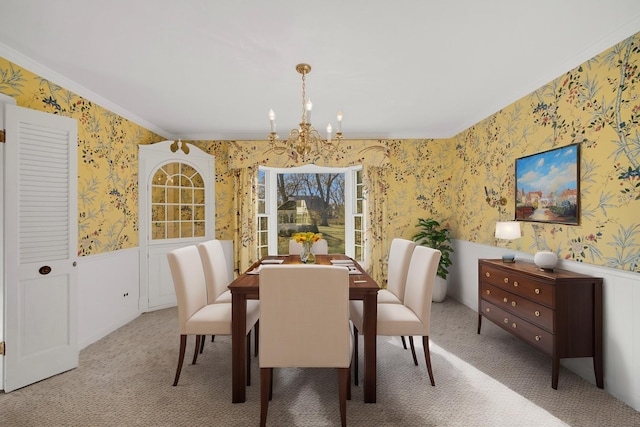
{"x": 370, "y": 332}
{"x": 238, "y": 347}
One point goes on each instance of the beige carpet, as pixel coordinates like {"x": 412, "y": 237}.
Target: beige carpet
{"x": 481, "y": 380}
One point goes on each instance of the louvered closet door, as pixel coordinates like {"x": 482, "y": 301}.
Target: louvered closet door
{"x": 41, "y": 246}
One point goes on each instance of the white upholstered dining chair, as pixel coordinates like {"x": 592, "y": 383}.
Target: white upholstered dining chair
{"x": 215, "y": 271}
{"x": 397, "y": 267}
{"x": 195, "y": 315}
{"x": 412, "y": 317}
{"x": 304, "y": 317}
{"x": 399, "y": 257}
{"x": 321, "y": 247}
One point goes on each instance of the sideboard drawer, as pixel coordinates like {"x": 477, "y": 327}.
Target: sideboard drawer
{"x": 520, "y": 306}
{"x": 520, "y": 284}
{"x": 528, "y": 332}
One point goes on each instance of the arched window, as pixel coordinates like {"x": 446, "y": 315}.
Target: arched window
{"x": 177, "y": 202}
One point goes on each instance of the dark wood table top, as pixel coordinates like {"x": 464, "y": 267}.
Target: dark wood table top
{"x": 359, "y": 284}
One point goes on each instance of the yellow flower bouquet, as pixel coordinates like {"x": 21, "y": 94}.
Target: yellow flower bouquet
{"x": 307, "y": 239}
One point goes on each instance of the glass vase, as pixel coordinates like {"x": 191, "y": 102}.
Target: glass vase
{"x": 306, "y": 255}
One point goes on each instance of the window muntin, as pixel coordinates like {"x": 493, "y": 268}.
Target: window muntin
{"x": 177, "y": 202}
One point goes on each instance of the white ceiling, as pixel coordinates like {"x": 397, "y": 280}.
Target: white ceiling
{"x": 205, "y": 69}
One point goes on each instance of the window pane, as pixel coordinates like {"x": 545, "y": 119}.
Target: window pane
{"x": 198, "y": 213}
{"x": 173, "y": 194}
{"x": 199, "y": 229}
{"x": 158, "y": 194}
{"x": 198, "y": 196}
{"x": 263, "y": 222}
{"x": 157, "y": 230}
{"x": 311, "y": 202}
{"x": 173, "y": 230}
{"x": 173, "y": 212}
{"x": 157, "y": 213}
{"x": 262, "y": 252}
{"x": 186, "y": 229}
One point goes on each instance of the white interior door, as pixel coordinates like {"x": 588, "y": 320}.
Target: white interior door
{"x": 160, "y": 228}
{"x": 40, "y": 230}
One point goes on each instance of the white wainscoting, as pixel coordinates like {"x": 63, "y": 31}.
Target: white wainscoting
{"x": 108, "y": 291}
{"x": 621, "y": 321}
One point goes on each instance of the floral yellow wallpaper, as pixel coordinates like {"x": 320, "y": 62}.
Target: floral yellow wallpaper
{"x": 597, "y": 105}
{"x": 107, "y": 159}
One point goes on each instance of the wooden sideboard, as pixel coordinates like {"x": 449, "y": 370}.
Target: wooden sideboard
{"x": 558, "y": 312}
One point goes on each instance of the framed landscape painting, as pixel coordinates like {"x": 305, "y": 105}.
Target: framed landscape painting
{"x": 548, "y": 186}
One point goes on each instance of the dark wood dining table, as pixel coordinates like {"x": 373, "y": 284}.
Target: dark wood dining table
{"x": 246, "y": 286}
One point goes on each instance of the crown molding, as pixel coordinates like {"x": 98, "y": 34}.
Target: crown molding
{"x": 47, "y": 73}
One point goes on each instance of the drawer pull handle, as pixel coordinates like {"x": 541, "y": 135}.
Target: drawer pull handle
{"x": 513, "y": 325}
{"x": 487, "y": 274}
{"x": 538, "y": 337}
{"x": 506, "y": 280}
{"x": 513, "y": 303}
{"x": 488, "y": 310}
{"x": 506, "y": 320}
{"x": 537, "y": 313}
{"x": 515, "y": 284}
{"x": 488, "y": 292}
{"x": 537, "y": 291}
{"x": 505, "y": 300}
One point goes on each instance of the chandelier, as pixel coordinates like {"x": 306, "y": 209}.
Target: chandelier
{"x": 304, "y": 140}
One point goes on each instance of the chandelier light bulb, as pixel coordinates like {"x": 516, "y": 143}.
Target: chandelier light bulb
{"x": 272, "y": 120}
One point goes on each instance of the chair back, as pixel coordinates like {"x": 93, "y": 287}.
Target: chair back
{"x": 399, "y": 258}
{"x": 188, "y": 281}
{"x": 321, "y": 247}
{"x": 304, "y": 316}
{"x": 215, "y": 268}
{"x": 420, "y": 280}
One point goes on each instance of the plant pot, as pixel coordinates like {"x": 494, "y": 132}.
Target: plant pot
{"x": 439, "y": 290}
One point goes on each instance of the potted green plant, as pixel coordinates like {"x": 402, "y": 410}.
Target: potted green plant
{"x": 432, "y": 234}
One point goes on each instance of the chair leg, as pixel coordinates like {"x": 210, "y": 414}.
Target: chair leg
{"x": 256, "y": 339}
{"x": 195, "y": 351}
{"x": 265, "y": 394}
{"x": 202, "y": 343}
{"x": 183, "y": 345}
{"x": 249, "y": 358}
{"x": 213, "y": 337}
{"x": 271, "y": 385}
{"x": 343, "y": 375}
{"x": 413, "y": 351}
{"x": 355, "y": 354}
{"x": 404, "y": 343}
{"x": 427, "y": 358}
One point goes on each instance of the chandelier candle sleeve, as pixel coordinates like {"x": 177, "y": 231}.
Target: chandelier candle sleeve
{"x": 272, "y": 120}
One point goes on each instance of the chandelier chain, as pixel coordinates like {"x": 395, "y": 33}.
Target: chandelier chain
{"x": 304, "y": 96}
